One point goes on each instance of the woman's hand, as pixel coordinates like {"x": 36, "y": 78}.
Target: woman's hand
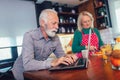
{"x": 92, "y": 48}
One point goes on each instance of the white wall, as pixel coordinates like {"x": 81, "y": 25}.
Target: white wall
{"x": 16, "y": 17}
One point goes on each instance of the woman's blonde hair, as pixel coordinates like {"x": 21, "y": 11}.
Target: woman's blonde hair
{"x": 84, "y": 13}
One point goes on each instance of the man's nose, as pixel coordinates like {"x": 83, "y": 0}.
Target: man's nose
{"x": 56, "y": 26}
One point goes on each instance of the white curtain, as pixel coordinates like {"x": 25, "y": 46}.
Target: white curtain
{"x": 16, "y": 17}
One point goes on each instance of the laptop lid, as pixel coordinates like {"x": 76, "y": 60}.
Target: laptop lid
{"x": 89, "y": 39}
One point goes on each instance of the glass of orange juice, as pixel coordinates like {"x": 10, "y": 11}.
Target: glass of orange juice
{"x": 103, "y": 50}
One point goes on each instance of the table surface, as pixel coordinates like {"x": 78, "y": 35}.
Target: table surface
{"x": 97, "y": 70}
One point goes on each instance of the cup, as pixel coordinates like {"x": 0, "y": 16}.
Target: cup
{"x": 103, "y": 50}
{"x": 85, "y": 53}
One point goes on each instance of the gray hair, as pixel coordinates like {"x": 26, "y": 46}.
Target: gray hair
{"x": 44, "y": 14}
{"x": 83, "y": 13}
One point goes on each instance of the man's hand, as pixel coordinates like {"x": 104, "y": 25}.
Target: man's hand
{"x": 67, "y": 60}
{"x": 72, "y": 56}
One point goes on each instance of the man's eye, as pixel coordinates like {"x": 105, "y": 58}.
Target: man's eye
{"x": 54, "y": 23}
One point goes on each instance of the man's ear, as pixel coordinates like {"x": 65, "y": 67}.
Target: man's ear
{"x": 42, "y": 22}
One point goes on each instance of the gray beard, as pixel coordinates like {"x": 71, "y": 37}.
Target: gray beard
{"x": 50, "y": 33}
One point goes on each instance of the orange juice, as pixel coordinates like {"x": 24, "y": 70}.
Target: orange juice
{"x": 103, "y": 50}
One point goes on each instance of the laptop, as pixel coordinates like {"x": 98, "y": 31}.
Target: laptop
{"x": 81, "y": 63}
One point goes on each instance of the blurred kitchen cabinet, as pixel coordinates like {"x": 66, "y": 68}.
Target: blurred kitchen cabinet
{"x": 67, "y": 22}
{"x": 102, "y": 14}
{"x": 67, "y": 15}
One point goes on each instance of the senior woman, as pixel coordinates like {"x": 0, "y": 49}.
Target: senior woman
{"x": 85, "y": 22}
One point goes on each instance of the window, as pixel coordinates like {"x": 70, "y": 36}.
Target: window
{"x": 5, "y": 53}
{"x": 19, "y": 40}
{"x": 114, "y": 6}
{"x": 16, "y": 17}
{"x": 19, "y": 49}
{"x": 5, "y": 41}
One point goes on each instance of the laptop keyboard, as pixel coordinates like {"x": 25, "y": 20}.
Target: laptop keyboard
{"x": 79, "y": 64}
{"x": 63, "y": 65}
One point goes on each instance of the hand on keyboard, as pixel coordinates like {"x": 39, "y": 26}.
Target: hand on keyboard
{"x": 73, "y": 64}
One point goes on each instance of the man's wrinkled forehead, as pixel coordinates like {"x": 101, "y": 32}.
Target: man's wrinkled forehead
{"x": 53, "y": 17}
{"x": 51, "y": 14}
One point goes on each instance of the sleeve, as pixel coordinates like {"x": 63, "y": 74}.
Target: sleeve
{"x": 29, "y": 62}
{"x": 59, "y": 52}
{"x": 99, "y": 37}
{"x": 77, "y": 39}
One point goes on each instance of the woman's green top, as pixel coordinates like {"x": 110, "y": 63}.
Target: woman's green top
{"x": 76, "y": 47}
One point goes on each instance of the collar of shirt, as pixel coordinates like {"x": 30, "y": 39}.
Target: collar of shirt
{"x": 86, "y": 30}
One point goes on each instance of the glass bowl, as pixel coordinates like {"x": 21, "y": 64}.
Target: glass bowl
{"x": 115, "y": 62}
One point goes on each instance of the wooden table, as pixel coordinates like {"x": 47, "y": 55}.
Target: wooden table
{"x": 97, "y": 70}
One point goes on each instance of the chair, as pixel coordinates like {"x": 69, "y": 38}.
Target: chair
{"x": 68, "y": 47}
{"x": 5, "y": 71}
